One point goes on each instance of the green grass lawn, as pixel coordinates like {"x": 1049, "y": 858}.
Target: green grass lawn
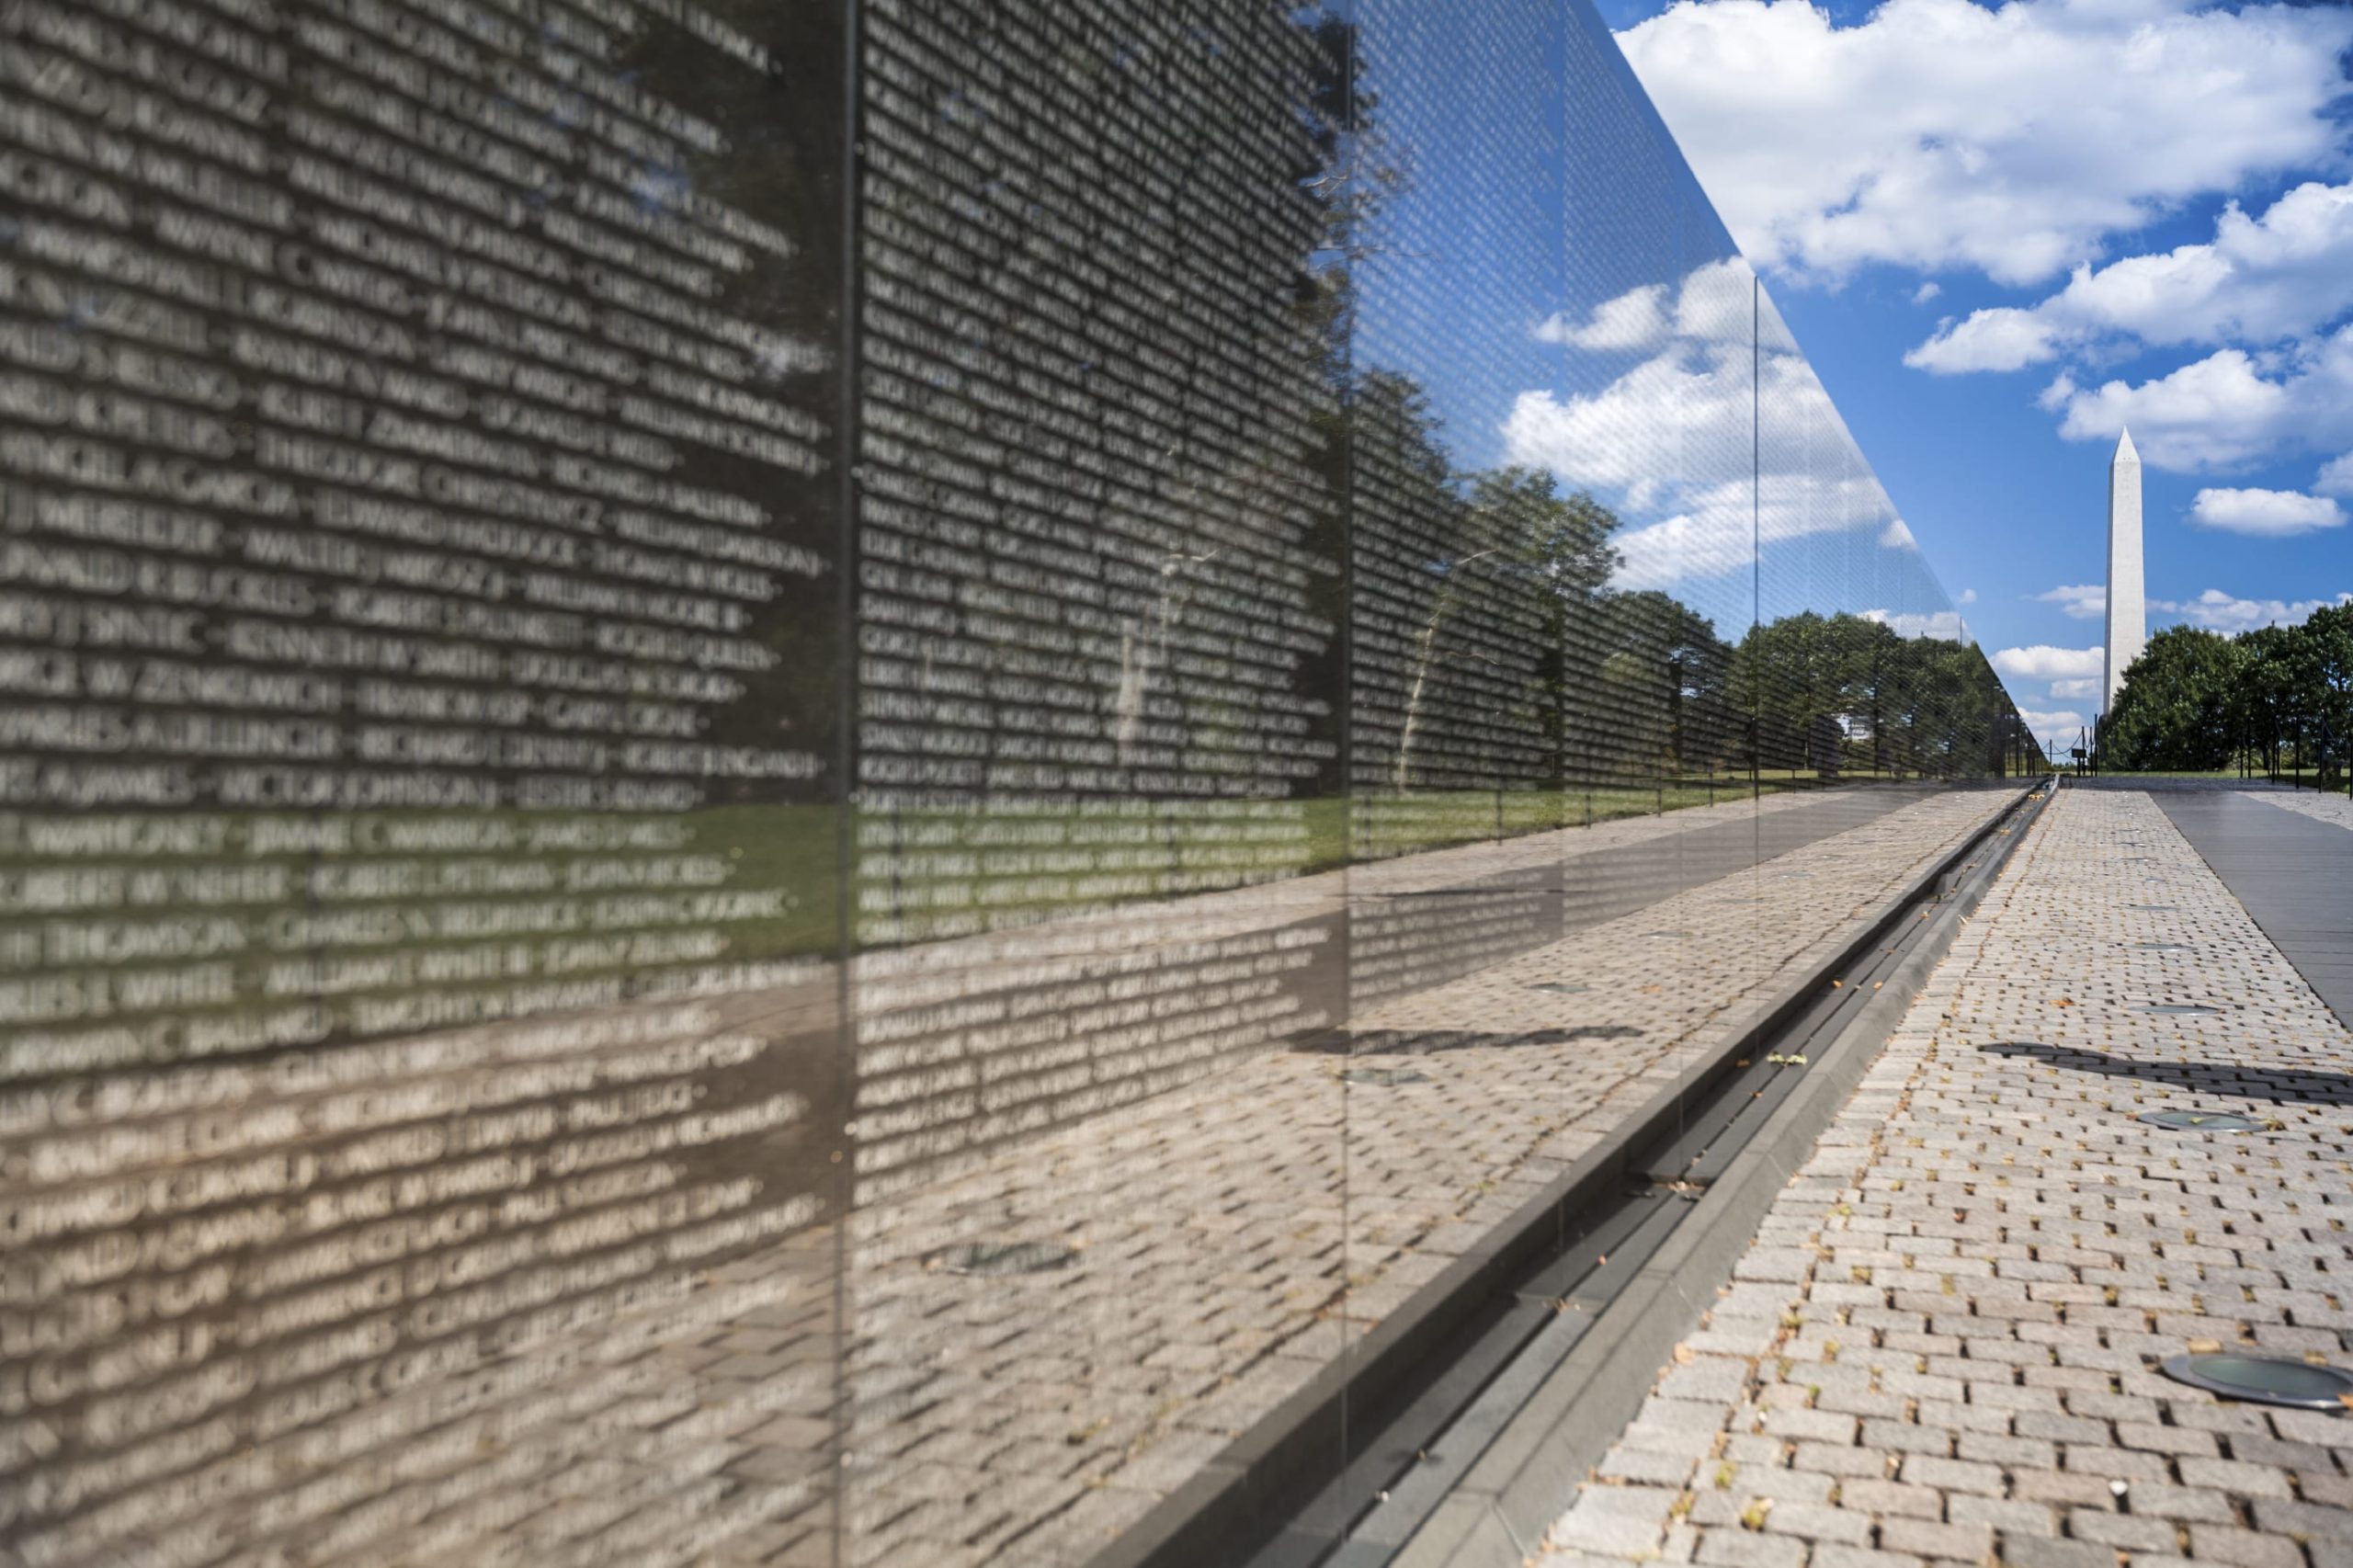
{"x": 914, "y": 874}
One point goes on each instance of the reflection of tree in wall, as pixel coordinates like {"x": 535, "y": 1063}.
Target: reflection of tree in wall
{"x": 781, "y": 165}
{"x": 1629, "y": 687}
{"x": 1839, "y": 693}
{"x": 1659, "y": 704}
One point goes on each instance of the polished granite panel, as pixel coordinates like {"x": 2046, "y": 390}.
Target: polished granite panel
{"x": 809, "y": 783}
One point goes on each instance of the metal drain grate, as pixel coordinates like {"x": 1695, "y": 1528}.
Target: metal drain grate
{"x": 2168, "y": 946}
{"x": 1003, "y": 1257}
{"x": 2203, "y": 1120}
{"x": 2178, "y": 1009}
{"x": 1383, "y": 1077}
{"x": 1563, "y": 987}
{"x": 2264, "y": 1380}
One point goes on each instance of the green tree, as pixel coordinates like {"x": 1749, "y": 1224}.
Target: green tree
{"x": 2328, "y": 640}
{"x": 2178, "y": 706}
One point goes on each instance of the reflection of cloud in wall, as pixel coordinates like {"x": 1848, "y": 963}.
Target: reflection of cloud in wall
{"x": 1945, "y": 624}
{"x": 1712, "y": 305}
{"x": 1719, "y": 531}
{"x": 1679, "y": 432}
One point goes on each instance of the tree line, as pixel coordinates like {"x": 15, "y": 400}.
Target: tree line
{"x": 2274, "y": 701}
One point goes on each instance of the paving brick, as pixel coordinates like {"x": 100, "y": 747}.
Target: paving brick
{"x": 1747, "y": 1548}
{"x": 1956, "y": 1313}
{"x": 1925, "y": 1538}
{"x": 1954, "y": 1475}
{"x": 1842, "y": 1556}
{"x": 2044, "y": 1551}
{"x": 2243, "y": 1548}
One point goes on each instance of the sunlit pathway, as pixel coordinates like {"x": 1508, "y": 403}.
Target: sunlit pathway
{"x": 1942, "y": 1347}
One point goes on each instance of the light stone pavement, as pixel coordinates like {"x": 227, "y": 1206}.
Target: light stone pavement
{"x": 1233, "y": 1235}
{"x": 1942, "y": 1346}
{"x": 2338, "y": 809}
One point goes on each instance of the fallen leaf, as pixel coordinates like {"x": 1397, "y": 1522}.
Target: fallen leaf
{"x": 1683, "y": 1356}
{"x": 2064, "y": 1002}
{"x": 1837, "y": 985}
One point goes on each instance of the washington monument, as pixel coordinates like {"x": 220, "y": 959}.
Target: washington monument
{"x": 2128, "y": 611}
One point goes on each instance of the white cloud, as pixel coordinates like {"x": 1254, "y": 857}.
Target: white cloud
{"x": 1673, "y": 436}
{"x": 2042, "y": 662}
{"x": 2335, "y": 476}
{"x": 2059, "y": 726}
{"x": 1944, "y": 623}
{"x": 1926, "y": 292}
{"x": 2219, "y": 612}
{"x": 1897, "y": 535}
{"x": 2081, "y": 687}
{"x": 2265, "y": 514}
{"x": 2259, "y": 280}
{"x": 2002, "y": 339}
{"x": 2084, "y": 601}
{"x": 2223, "y": 410}
{"x": 1968, "y": 596}
{"x": 1942, "y": 134}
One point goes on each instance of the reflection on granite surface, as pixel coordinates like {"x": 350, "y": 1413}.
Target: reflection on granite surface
{"x": 803, "y": 784}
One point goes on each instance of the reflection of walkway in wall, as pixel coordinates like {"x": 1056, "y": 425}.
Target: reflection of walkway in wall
{"x": 551, "y": 1291}
{"x": 1232, "y": 1234}
{"x": 1942, "y": 1347}
{"x": 962, "y": 1045}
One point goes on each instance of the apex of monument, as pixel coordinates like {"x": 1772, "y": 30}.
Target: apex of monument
{"x": 2124, "y": 452}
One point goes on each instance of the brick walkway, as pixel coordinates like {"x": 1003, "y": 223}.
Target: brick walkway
{"x": 1941, "y": 1347}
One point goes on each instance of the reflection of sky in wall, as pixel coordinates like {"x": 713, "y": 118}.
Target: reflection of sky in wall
{"x": 1560, "y": 313}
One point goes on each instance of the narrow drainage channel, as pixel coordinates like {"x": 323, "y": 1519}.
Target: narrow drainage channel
{"x": 1421, "y": 1435}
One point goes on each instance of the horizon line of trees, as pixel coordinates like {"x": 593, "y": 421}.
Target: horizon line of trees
{"x": 2276, "y": 699}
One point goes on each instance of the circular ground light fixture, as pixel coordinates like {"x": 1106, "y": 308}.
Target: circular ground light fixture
{"x": 2203, "y": 1120}
{"x": 2177, "y": 1010}
{"x": 1383, "y": 1077}
{"x": 2263, "y": 1379}
{"x": 1003, "y": 1257}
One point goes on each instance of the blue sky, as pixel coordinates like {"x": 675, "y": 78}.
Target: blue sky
{"x": 1999, "y": 235}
